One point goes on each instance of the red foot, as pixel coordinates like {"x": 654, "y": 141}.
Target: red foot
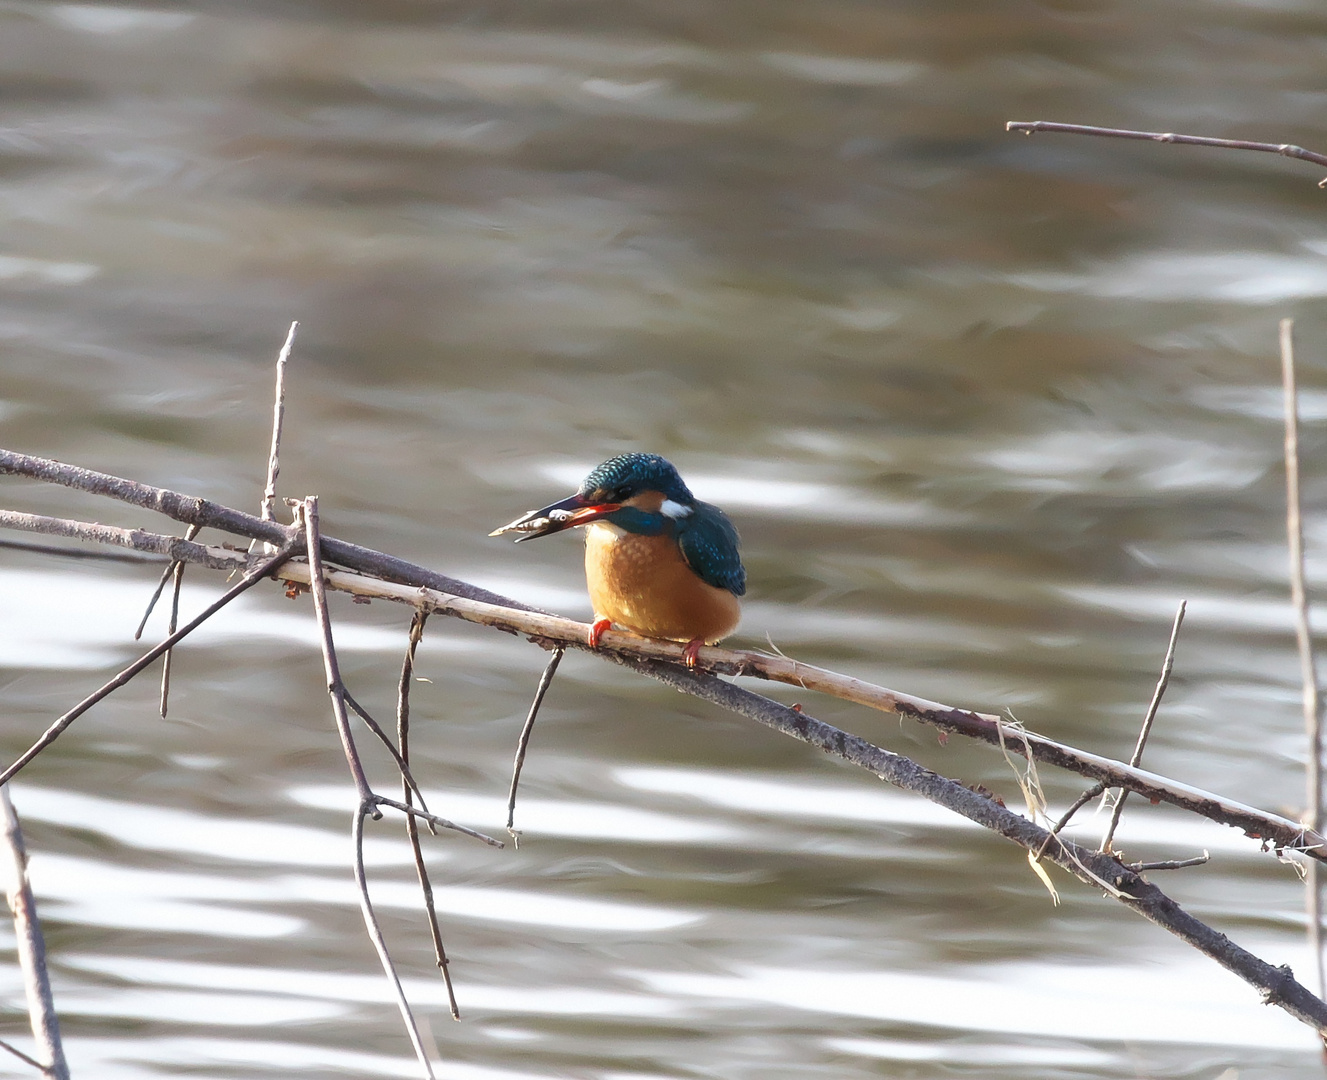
{"x": 690, "y": 655}
{"x": 597, "y": 629}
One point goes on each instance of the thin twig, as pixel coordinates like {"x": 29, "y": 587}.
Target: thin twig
{"x": 1031, "y": 127}
{"x": 367, "y": 801}
{"x": 53, "y": 732}
{"x": 442, "y": 822}
{"x": 380, "y": 943}
{"x": 1308, "y": 666}
{"x": 1170, "y": 864}
{"x": 385, "y": 739}
{"x": 545, "y": 680}
{"x": 178, "y": 576}
{"x": 335, "y": 689}
{"x": 1277, "y": 984}
{"x": 458, "y": 599}
{"x": 417, "y": 622}
{"x": 278, "y": 418}
{"x": 24, "y": 1058}
{"x": 65, "y": 552}
{"x": 1078, "y": 804}
{"x": 31, "y": 947}
{"x": 166, "y": 575}
{"x": 1167, "y": 666}
{"x": 191, "y": 509}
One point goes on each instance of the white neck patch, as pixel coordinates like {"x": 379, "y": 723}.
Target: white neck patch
{"x": 674, "y": 510}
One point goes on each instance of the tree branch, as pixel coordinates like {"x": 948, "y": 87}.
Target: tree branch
{"x": 1031, "y": 127}
{"x": 516, "y": 618}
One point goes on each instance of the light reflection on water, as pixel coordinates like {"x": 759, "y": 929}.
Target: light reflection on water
{"x": 984, "y": 409}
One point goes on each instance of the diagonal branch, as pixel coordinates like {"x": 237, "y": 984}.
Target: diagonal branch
{"x": 31, "y": 946}
{"x": 207, "y": 514}
{"x": 516, "y": 618}
{"x": 662, "y": 661}
{"x": 417, "y": 622}
{"x": 1031, "y": 127}
{"x": 1167, "y": 666}
{"x": 53, "y": 732}
{"x": 523, "y": 742}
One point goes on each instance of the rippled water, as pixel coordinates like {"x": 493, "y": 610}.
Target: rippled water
{"x": 984, "y": 407}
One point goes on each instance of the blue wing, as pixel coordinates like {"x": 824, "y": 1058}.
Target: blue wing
{"x": 709, "y": 544}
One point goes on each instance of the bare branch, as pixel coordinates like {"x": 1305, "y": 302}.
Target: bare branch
{"x": 618, "y": 644}
{"x": 517, "y": 618}
{"x": 1031, "y": 127}
{"x": 278, "y": 417}
{"x": 382, "y": 736}
{"x": 1171, "y": 864}
{"x": 207, "y": 514}
{"x": 368, "y": 802}
{"x": 53, "y": 732}
{"x": 1167, "y": 665}
{"x": 173, "y": 547}
{"x": 31, "y": 949}
{"x": 1308, "y": 666}
{"x": 335, "y": 689}
{"x": 24, "y": 1058}
{"x": 65, "y": 552}
{"x": 1277, "y": 984}
{"x": 441, "y": 822}
{"x": 545, "y": 680}
{"x": 1078, "y": 804}
{"x": 178, "y": 581}
{"x": 417, "y": 622}
{"x": 380, "y": 943}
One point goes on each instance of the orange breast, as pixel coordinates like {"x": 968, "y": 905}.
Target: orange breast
{"x": 643, "y": 584}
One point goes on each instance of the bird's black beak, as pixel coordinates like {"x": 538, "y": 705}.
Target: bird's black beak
{"x": 556, "y": 517}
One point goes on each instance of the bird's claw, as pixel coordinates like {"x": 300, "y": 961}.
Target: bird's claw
{"x": 691, "y": 653}
{"x": 597, "y": 629}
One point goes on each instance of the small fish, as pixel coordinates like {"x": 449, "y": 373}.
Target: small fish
{"x": 534, "y": 523}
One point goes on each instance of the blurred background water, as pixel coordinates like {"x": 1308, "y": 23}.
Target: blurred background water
{"x": 984, "y": 407}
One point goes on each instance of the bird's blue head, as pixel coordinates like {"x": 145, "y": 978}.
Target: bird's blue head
{"x": 619, "y": 479}
{"x": 602, "y": 495}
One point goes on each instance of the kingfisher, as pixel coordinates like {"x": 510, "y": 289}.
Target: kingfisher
{"x": 658, "y": 561}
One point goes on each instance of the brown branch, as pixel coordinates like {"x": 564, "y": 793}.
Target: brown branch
{"x": 401, "y": 764}
{"x": 1171, "y": 864}
{"x": 1167, "y": 666}
{"x": 516, "y": 618}
{"x": 177, "y": 576}
{"x": 278, "y": 417}
{"x": 335, "y": 689}
{"x": 173, "y": 547}
{"x": 1031, "y": 127}
{"x": 417, "y": 622}
{"x": 66, "y": 552}
{"x": 380, "y": 943}
{"x": 434, "y": 819}
{"x": 1078, "y": 804}
{"x": 523, "y": 742}
{"x": 1308, "y": 666}
{"x": 557, "y": 631}
{"x": 367, "y": 804}
{"x": 53, "y": 732}
{"x": 31, "y": 947}
{"x": 1277, "y": 984}
{"x": 207, "y": 514}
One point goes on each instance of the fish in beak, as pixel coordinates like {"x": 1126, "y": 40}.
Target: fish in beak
{"x": 556, "y": 517}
